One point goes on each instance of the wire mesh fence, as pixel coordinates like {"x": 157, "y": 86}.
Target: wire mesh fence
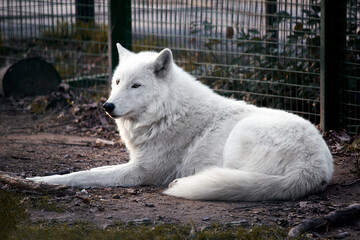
{"x": 264, "y": 52}
{"x": 70, "y": 34}
{"x": 350, "y": 74}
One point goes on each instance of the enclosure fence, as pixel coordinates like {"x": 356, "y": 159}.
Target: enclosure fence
{"x": 349, "y": 74}
{"x": 70, "y": 34}
{"x": 268, "y": 53}
{"x": 250, "y": 50}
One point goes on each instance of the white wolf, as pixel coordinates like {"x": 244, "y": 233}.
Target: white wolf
{"x": 209, "y": 147}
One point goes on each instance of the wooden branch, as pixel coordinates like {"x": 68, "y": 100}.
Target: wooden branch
{"x": 340, "y": 217}
{"x": 28, "y": 185}
{"x": 351, "y": 183}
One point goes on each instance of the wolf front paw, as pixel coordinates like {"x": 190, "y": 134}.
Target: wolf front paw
{"x": 55, "y": 179}
{"x": 36, "y": 179}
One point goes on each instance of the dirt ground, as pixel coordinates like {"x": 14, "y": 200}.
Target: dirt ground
{"x": 46, "y": 135}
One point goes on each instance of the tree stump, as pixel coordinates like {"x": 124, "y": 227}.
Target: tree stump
{"x": 28, "y": 77}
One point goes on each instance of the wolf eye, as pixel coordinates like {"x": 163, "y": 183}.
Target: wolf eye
{"x": 136, "y": 85}
{"x": 117, "y": 81}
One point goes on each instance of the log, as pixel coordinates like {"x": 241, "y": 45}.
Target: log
{"x": 28, "y": 77}
{"x": 339, "y": 217}
{"x": 28, "y": 185}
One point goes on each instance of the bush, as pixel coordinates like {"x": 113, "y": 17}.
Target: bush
{"x": 12, "y": 212}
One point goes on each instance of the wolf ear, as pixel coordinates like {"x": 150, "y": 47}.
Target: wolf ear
{"x": 163, "y": 63}
{"x": 122, "y": 51}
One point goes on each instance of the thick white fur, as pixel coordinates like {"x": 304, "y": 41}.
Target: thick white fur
{"x": 216, "y": 148}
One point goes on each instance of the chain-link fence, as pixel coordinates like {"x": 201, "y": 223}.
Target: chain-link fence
{"x": 264, "y": 52}
{"x": 70, "y": 34}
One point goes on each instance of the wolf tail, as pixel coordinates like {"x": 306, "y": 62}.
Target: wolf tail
{"x": 231, "y": 184}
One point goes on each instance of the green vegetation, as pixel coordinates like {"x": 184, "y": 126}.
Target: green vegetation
{"x": 14, "y": 225}
{"x": 256, "y": 66}
{"x": 44, "y": 203}
{"x": 153, "y": 41}
{"x": 88, "y": 36}
{"x": 354, "y": 146}
{"x": 85, "y": 230}
{"x": 12, "y": 212}
{"x": 79, "y": 53}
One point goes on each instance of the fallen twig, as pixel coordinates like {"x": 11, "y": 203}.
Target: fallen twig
{"x": 340, "y": 217}
{"x": 61, "y": 172}
{"x": 351, "y": 183}
{"x": 24, "y": 184}
{"x": 78, "y": 144}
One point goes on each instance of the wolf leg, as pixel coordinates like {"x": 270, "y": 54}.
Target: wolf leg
{"x": 119, "y": 175}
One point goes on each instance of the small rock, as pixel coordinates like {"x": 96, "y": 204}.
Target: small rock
{"x": 149, "y": 205}
{"x": 310, "y": 235}
{"x": 75, "y": 110}
{"x": 86, "y": 200}
{"x": 303, "y": 204}
{"x": 84, "y": 191}
{"x": 342, "y": 235}
{"x": 206, "y": 219}
{"x": 242, "y": 223}
{"x": 143, "y": 220}
{"x": 283, "y": 222}
{"x": 101, "y": 143}
{"x": 104, "y": 121}
{"x": 131, "y": 191}
{"x": 203, "y": 228}
{"x": 88, "y": 106}
{"x": 64, "y": 87}
{"x": 116, "y": 196}
{"x": 93, "y": 210}
{"x": 61, "y": 115}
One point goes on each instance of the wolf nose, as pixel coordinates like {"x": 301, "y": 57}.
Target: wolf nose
{"x": 109, "y": 107}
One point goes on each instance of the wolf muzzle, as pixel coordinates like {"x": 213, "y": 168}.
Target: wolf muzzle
{"x": 109, "y": 107}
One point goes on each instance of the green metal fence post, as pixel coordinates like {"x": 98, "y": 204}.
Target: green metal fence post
{"x": 272, "y": 30}
{"x": 331, "y": 44}
{"x": 119, "y": 29}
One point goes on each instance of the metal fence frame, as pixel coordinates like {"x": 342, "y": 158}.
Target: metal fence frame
{"x": 336, "y": 100}
{"x": 349, "y": 70}
{"x": 266, "y": 52}
{"x": 231, "y": 46}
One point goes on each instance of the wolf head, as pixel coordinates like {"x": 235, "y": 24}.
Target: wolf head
{"x": 140, "y": 83}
